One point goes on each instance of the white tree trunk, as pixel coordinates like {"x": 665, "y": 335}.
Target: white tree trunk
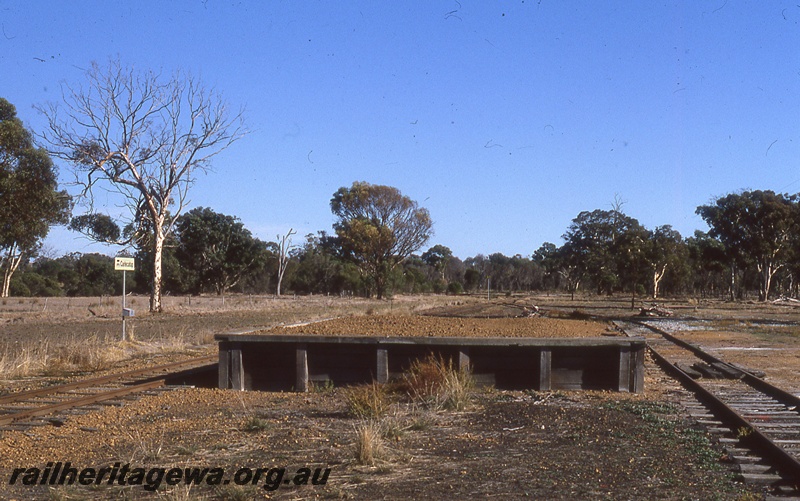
{"x": 12, "y": 262}
{"x": 6, "y": 282}
{"x": 155, "y": 292}
{"x": 767, "y": 271}
{"x": 657, "y": 276}
{"x": 283, "y": 257}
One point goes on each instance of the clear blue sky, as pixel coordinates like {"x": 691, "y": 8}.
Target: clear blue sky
{"x": 504, "y": 119}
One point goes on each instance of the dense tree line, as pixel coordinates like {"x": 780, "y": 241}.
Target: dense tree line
{"x": 752, "y": 250}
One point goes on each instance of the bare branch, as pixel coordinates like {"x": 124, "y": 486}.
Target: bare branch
{"x": 143, "y": 138}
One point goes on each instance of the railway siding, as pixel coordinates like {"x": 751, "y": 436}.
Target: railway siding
{"x": 757, "y": 423}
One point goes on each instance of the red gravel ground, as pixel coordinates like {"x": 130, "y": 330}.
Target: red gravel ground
{"x": 539, "y": 445}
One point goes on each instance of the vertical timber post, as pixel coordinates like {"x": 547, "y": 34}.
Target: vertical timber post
{"x": 236, "y": 367}
{"x": 381, "y": 365}
{"x": 301, "y": 364}
{"x": 624, "y": 382}
{"x": 224, "y": 370}
{"x": 545, "y": 365}
{"x": 463, "y": 359}
{"x": 637, "y": 369}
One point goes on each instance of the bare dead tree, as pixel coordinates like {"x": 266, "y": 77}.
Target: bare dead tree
{"x": 141, "y": 139}
{"x": 283, "y": 255}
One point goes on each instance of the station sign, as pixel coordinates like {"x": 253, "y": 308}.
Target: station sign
{"x": 124, "y": 264}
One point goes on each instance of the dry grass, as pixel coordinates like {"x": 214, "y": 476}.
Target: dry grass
{"x": 55, "y": 335}
{"x": 434, "y": 382}
{"x": 146, "y": 448}
{"x": 24, "y": 359}
{"x": 368, "y": 401}
{"x": 94, "y": 353}
{"x": 77, "y": 308}
{"x": 432, "y": 385}
{"x": 369, "y": 444}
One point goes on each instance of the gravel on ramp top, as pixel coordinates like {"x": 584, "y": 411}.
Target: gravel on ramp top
{"x": 410, "y": 326}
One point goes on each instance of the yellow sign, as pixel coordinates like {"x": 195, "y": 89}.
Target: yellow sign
{"x": 124, "y": 264}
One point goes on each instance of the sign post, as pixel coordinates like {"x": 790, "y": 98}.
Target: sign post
{"x": 125, "y": 264}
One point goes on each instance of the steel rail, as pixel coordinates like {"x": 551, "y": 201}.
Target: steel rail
{"x": 79, "y": 402}
{"x": 784, "y": 462}
{"x": 747, "y": 377}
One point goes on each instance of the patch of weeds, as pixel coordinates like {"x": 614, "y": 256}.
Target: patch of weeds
{"x": 367, "y": 401}
{"x": 698, "y": 445}
{"x": 237, "y": 492}
{"x": 656, "y": 415}
{"x": 421, "y": 422}
{"x": 540, "y": 397}
{"x": 649, "y": 411}
{"x": 658, "y": 420}
{"x": 743, "y": 432}
{"x": 186, "y": 450}
{"x": 434, "y": 382}
{"x": 321, "y": 387}
{"x": 392, "y": 428}
{"x": 145, "y": 448}
{"x": 255, "y": 423}
{"x": 750, "y": 496}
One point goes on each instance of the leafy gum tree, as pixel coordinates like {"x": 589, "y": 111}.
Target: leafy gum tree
{"x": 664, "y": 249}
{"x": 438, "y": 257}
{"x": 378, "y": 228}
{"x": 217, "y": 248}
{"x": 755, "y": 226}
{"x": 29, "y": 198}
{"x": 605, "y": 245}
{"x": 708, "y": 260}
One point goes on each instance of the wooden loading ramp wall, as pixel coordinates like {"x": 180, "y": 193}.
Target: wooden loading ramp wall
{"x": 292, "y": 363}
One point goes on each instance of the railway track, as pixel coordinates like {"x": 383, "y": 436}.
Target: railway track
{"x": 28, "y": 408}
{"x": 757, "y": 424}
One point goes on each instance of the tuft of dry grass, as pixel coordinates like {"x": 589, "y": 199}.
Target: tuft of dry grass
{"x": 144, "y": 448}
{"x": 367, "y": 401}
{"x": 434, "y": 382}
{"x": 369, "y": 445}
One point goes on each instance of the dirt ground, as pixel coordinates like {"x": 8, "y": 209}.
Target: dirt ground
{"x": 541, "y": 445}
